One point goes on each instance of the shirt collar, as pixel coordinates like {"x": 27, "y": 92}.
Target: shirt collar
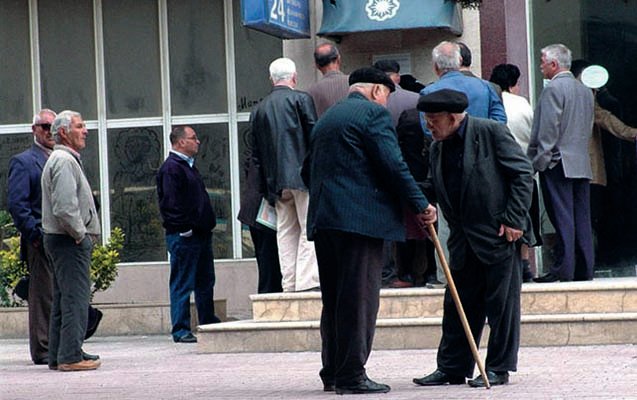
{"x": 46, "y": 150}
{"x": 189, "y": 160}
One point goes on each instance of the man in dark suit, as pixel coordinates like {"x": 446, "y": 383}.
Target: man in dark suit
{"x": 483, "y": 184}
{"x": 358, "y": 182}
{"x": 559, "y": 150}
{"x": 25, "y": 206}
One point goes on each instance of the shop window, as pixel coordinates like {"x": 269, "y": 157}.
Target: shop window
{"x": 67, "y": 56}
{"x": 197, "y": 57}
{"x": 11, "y": 145}
{"x": 131, "y": 58}
{"x": 15, "y": 77}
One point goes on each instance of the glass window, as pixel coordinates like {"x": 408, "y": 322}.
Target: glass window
{"x": 135, "y": 155}
{"x": 91, "y": 162}
{"x": 213, "y": 163}
{"x": 15, "y": 65}
{"x": 131, "y": 58}
{"x": 245, "y": 149}
{"x": 253, "y": 81}
{"x": 197, "y": 57}
{"x": 67, "y": 56}
{"x": 10, "y": 145}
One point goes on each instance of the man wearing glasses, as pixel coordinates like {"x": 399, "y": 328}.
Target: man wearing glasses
{"x": 25, "y": 206}
{"x": 188, "y": 218}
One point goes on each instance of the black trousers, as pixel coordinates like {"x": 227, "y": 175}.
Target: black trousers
{"x": 490, "y": 291}
{"x": 267, "y": 253}
{"x": 40, "y": 301}
{"x": 350, "y": 268}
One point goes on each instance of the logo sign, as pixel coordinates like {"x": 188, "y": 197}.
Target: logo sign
{"x": 287, "y": 19}
{"x": 381, "y": 10}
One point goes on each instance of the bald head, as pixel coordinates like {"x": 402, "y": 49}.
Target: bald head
{"x": 327, "y": 58}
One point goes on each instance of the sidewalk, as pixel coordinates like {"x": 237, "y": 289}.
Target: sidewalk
{"x": 153, "y": 367}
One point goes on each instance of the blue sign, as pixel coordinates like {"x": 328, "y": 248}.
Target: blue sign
{"x": 287, "y": 19}
{"x": 347, "y": 16}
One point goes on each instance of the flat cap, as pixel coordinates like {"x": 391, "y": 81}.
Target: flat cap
{"x": 443, "y": 100}
{"x": 371, "y": 75}
{"x": 387, "y": 66}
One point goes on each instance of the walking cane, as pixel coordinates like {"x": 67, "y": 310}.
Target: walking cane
{"x": 456, "y": 300}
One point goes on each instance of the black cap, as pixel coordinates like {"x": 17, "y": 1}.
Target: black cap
{"x": 444, "y": 100}
{"x": 387, "y": 66}
{"x": 371, "y": 75}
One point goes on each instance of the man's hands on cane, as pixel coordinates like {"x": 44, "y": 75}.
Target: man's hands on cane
{"x": 427, "y": 217}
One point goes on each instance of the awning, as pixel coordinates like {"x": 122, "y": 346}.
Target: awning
{"x": 341, "y": 17}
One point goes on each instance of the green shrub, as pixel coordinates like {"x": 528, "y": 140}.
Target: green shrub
{"x": 11, "y": 270}
{"x": 104, "y": 261}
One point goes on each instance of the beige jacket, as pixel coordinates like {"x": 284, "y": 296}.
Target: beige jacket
{"x": 605, "y": 120}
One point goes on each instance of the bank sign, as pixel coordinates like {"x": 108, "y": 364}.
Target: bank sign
{"x": 287, "y": 19}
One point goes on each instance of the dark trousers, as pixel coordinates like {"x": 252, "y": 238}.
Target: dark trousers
{"x": 490, "y": 291}
{"x": 191, "y": 269}
{"x": 567, "y": 203}
{"x": 415, "y": 259}
{"x": 267, "y": 253}
{"x": 40, "y": 299}
{"x": 350, "y": 268}
{"x": 71, "y": 296}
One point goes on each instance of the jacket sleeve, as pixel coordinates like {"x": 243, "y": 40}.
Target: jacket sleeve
{"x": 383, "y": 149}
{"x": 496, "y": 108}
{"x": 609, "y": 122}
{"x": 546, "y": 129}
{"x": 19, "y": 202}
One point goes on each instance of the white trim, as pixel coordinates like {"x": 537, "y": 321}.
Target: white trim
{"x": 15, "y": 128}
{"x": 164, "y": 58}
{"x": 102, "y": 131}
{"x": 34, "y": 34}
{"x": 531, "y": 70}
{"x": 134, "y": 122}
{"x": 235, "y": 169}
{"x": 243, "y": 117}
{"x": 200, "y": 119}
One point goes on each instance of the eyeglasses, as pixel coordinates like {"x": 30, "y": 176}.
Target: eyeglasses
{"x": 46, "y": 127}
{"x": 195, "y": 138}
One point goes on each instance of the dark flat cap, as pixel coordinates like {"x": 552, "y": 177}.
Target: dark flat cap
{"x": 443, "y": 100}
{"x": 387, "y": 66}
{"x": 371, "y": 75}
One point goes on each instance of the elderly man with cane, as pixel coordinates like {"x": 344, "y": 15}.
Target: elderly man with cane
{"x": 483, "y": 184}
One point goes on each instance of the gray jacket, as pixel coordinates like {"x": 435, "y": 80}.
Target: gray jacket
{"x": 562, "y": 127}
{"x": 67, "y": 201}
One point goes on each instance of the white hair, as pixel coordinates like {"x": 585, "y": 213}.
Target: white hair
{"x": 63, "y": 120}
{"x": 282, "y": 69}
{"x": 37, "y": 118}
{"x": 446, "y": 56}
{"x": 558, "y": 53}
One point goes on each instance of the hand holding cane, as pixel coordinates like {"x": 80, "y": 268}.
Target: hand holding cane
{"x": 456, "y": 300}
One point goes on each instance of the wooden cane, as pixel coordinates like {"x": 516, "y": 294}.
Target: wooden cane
{"x": 456, "y": 300}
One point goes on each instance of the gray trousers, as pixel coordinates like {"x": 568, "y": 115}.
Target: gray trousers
{"x": 40, "y": 293}
{"x": 71, "y": 296}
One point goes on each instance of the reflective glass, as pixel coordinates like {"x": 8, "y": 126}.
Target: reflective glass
{"x": 197, "y": 57}
{"x": 213, "y": 163}
{"x": 131, "y": 58}
{"x": 245, "y": 149}
{"x": 135, "y": 155}
{"x": 11, "y": 145}
{"x": 253, "y": 81}
{"x": 15, "y": 64}
{"x": 67, "y": 56}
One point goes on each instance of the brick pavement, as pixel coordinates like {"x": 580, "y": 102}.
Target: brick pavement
{"x": 152, "y": 367}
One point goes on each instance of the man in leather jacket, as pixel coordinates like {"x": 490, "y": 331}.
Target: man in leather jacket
{"x": 281, "y": 126}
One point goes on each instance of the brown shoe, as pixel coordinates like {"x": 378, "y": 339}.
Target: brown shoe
{"x": 399, "y": 284}
{"x": 84, "y": 365}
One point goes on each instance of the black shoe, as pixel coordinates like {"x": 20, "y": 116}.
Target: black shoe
{"x": 366, "y": 386}
{"x": 527, "y": 275}
{"x": 547, "y": 278}
{"x": 95, "y": 316}
{"x": 187, "y": 338}
{"x": 328, "y": 387}
{"x": 438, "y": 377}
{"x": 495, "y": 378}
{"x": 41, "y": 361}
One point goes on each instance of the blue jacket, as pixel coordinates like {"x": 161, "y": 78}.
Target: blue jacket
{"x": 483, "y": 100}
{"x": 25, "y": 193}
{"x": 357, "y": 177}
{"x": 184, "y": 203}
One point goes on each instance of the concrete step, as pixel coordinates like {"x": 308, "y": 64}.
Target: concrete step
{"x": 614, "y": 295}
{"x": 416, "y": 333}
{"x": 119, "y": 319}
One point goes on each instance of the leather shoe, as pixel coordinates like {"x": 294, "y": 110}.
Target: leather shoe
{"x": 495, "y": 378}
{"x": 41, "y": 361}
{"x": 365, "y": 386}
{"x": 85, "y": 356}
{"x": 400, "y": 284}
{"x": 328, "y": 387}
{"x": 437, "y": 378}
{"x": 547, "y": 278}
{"x": 84, "y": 365}
{"x": 187, "y": 338}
